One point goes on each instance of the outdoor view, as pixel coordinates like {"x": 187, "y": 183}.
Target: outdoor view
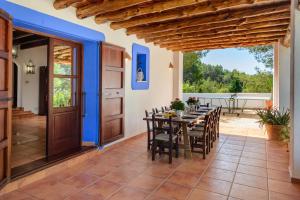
{"x": 243, "y": 70}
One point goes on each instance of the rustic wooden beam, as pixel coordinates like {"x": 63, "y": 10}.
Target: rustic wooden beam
{"x": 216, "y": 33}
{"x": 106, "y": 6}
{"x": 60, "y": 4}
{"x": 229, "y": 38}
{"x": 191, "y": 49}
{"x": 213, "y": 18}
{"x": 224, "y": 41}
{"x": 223, "y": 45}
{"x": 188, "y": 11}
{"x": 233, "y": 23}
{"x": 286, "y": 41}
{"x": 137, "y": 10}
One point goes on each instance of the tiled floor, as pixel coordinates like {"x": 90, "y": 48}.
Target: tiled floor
{"x": 29, "y": 140}
{"x": 242, "y": 166}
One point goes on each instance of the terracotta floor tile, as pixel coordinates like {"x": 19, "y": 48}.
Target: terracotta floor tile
{"x": 252, "y": 181}
{"x": 231, "y": 152}
{"x": 253, "y": 162}
{"x": 279, "y": 175}
{"x": 278, "y": 166}
{"x": 278, "y": 196}
{"x": 255, "y": 150}
{"x": 183, "y": 178}
{"x": 248, "y": 193}
{"x": 101, "y": 189}
{"x": 220, "y": 174}
{"x": 121, "y": 176}
{"x": 252, "y": 170}
{"x": 284, "y": 187}
{"x": 194, "y": 168}
{"x": 199, "y": 194}
{"x": 254, "y": 155}
{"x": 224, "y": 165}
{"x": 235, "y": 142}
{"x": 80, "y": 180}
{"x": 145, "y": 182}
{"x": 228, "y": 158}
{"x": 214, "y": 185}
{"x": 16, "y": 196}
{"x": 128, "y": 193}
{"x": 233, "y": 147}
{"x": 172, "y": 191}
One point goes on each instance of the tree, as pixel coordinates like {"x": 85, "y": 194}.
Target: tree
{"x": 263, "y": 54}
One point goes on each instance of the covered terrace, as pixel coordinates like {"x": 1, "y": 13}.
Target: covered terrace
{"x": 242, "y": 164}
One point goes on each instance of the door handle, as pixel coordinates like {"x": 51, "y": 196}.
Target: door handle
{"x": 7, "y": 99}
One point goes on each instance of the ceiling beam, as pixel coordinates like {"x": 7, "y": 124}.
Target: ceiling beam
{"x": 225, "y": 38}
{"x": 60, "y": 4}
{"x": 135, "y": 11}
{"x": 212, "y": 18}
{"x": 33, "y": 44}
{"x": 183, "y": 12}
{"x": 216, "y": 33}
{"x": 106, "y": 6}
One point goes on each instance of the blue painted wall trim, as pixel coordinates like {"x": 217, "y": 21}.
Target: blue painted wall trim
{"x": 136, "y": 50}
{"x": 30, "y": 19}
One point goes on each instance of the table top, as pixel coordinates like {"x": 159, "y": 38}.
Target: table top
{"x": 185, "y": 119}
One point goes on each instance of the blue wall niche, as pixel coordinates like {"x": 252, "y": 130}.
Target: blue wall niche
{"x": 140, "y": 67}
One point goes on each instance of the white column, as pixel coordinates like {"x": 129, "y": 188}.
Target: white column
{"x": 177, "y": 74}
{"x": 284, "y": 77}
{"x": 295, "y": 91}
{"x": 276, "y": 76}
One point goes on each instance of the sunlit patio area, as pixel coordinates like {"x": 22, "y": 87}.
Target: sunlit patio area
{"x": 242, "y": 165}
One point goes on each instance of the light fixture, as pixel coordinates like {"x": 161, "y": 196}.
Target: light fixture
{"x": 15, "y": 52}
{"x": 171, "y": 66}
{"x": 30, "y": 67}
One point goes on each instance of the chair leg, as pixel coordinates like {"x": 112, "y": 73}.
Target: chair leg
{"x": 192, "y": 143}
{"x": 170, "y": 152}
{"x": 204, "y": 149}
{"x": 177, "y": 147}
{"x": 153, "y": 150}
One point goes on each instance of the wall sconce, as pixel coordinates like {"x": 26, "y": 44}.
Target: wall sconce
{"x": 171, "y": 66}
{"x": 15, "y": 52}
{"x": 30, "y": 67}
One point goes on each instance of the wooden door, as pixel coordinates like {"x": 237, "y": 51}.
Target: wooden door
{"x": 43, "y": 90}
{"x": 5, "y": 95}
{"x": 112, "y": 93}
{"x": 64, "y": 120}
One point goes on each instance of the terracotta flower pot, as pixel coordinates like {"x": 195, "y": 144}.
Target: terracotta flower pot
{"x": 273, "y": 131}
{"x": 269, "y": 104}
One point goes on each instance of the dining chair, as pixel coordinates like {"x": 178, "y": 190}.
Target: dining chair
{"x": 162, "y": 109}
{"x": 164, "y": 137}
{"x": 199, "y": 137}
{"x": 218, "y": 121}
{"x": 149, "y": 130}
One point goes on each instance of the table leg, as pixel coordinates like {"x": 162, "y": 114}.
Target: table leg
{"x": 186, "y": 140}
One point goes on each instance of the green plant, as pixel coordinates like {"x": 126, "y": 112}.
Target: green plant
{"x": 276, "y": 117}
{"x": 192, "y": 101}
{"x": 177, "y": 104}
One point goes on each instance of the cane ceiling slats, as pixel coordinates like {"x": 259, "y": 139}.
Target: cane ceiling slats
{"x": 190, "y": 25}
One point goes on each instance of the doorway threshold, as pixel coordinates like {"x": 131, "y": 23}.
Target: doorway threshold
{"x": 44, "y": 163}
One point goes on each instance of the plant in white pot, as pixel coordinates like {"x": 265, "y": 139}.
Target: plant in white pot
{"x": 276, "y": 123}
{"x": 178, "y": 106}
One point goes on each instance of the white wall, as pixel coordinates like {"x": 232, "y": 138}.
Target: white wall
{"x": 208, "y": 98}
{"x": 284, "y": 76}
{"x": 295, "y": 93}
{"x": 28, "y": 84}
{"x": 161, "y": 77}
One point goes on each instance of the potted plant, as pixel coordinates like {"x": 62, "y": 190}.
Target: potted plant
{"x": 178, "y": 106}
{"x": 276, "y": 122}
{"x": 192, "y": 102}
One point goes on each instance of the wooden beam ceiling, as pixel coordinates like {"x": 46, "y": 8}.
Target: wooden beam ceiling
{"x": 191, "y": 24}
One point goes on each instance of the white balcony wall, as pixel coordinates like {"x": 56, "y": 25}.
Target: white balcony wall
{"x": 211, "y": 98}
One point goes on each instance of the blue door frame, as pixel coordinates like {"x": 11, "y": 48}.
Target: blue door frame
{"x": 30, "y": 19}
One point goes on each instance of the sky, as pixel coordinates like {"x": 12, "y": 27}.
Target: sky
{"x": 233, "y": 59}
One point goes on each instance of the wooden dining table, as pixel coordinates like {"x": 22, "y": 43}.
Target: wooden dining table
{"x": 185, "y": 121}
